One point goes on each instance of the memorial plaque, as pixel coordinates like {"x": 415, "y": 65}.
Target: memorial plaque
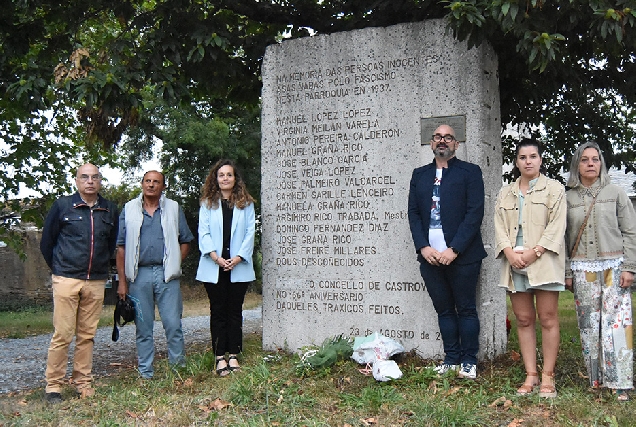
{"x": 343, "y": 121}
{"x": 458, "y": 123}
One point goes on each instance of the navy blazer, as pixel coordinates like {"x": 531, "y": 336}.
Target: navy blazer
{"x": 461, "y": 208}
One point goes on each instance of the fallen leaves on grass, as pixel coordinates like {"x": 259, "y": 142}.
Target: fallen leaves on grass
{"x": 216, "y": 405}
{"x": 582, "y": 375}
{"x": 342, "y": 382}
{"x": 516, "y": 422}
{"x": 502, "y": 401}
{"x": 515, "y": 356}
{"x": 452, "y": 391}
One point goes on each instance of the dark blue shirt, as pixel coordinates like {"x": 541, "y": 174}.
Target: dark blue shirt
{"x": 78, "y": 240}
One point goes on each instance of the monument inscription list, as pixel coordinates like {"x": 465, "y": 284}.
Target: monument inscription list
{"x": 341, "y": 136}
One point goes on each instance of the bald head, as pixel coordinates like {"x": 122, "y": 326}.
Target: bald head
{"x": 88, "y": 181}
{"x": 444, "y": 130}
{"x": 443, "y": 143}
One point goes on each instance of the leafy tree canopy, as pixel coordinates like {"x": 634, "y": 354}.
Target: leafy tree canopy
{"x": 566, "y": 67}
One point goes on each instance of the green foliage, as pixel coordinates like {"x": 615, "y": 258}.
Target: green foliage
{"x": 327, "y": 354}
{"x": 120, "y": 72}
{"x": 25, "y": 322}
{"x": 566, "y": 69}
{"x": 120, "y": 194}
{"x": 254, "y": 385}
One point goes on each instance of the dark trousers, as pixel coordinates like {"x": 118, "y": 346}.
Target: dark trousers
{"x": 226, "y": 314}
{"x": 453, "y": 290}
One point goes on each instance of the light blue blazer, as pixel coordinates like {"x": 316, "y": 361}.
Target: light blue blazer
{"x": 241, "y": 243}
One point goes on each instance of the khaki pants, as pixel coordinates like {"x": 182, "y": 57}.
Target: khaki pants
{"x": 77, "y": 305}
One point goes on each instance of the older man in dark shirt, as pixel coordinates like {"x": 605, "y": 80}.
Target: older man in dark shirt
{"x": 78, "y": 240}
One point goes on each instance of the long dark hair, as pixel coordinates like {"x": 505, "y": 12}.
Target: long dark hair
{"x": 211, "y": 193}
{"x": 528, "y": 142}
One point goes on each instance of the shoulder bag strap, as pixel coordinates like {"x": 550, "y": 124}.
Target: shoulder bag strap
{"x": 578, "y": 237}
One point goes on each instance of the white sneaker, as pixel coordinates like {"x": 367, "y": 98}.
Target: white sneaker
{"x": 468, "y": 371}
{"x": 442, "y": 368}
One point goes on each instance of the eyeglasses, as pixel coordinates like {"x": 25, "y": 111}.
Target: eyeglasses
{"x": 447, "y": 138}
{"x": 85, "y": 178}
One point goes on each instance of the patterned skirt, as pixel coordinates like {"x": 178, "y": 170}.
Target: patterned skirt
{"x": 604, "y": 314}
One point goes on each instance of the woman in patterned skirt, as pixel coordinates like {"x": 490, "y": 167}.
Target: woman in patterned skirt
{"x": 601, "y": 241}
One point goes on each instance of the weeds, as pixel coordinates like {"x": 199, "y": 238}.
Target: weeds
{"x": 269, "y": 391}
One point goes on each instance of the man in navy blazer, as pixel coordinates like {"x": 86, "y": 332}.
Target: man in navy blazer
{"x": 445, "y": 208}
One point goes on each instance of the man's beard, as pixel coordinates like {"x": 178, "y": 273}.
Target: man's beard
{"x": 445, "y": 153}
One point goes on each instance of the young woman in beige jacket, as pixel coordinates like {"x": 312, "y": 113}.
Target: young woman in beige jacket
{"x": 530, "y": 217}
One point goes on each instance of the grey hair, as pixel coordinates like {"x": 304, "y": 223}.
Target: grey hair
{"x": 574, "y": 180}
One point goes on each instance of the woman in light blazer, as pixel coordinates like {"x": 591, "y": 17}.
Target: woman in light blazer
{"x": 226, "y": 240}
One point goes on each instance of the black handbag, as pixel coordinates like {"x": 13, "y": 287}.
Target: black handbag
{"x": 124, "y": 313}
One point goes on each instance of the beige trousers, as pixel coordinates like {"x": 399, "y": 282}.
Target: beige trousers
{"x": 77, "y": 306}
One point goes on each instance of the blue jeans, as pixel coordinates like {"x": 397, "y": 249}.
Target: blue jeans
{"x": 453, "y": 290}
{"x": 147, "y": 289}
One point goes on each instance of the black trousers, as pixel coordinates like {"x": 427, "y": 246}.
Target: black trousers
{"x": 226, "y": 314}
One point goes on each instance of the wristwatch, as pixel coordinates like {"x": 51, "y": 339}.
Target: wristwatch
{"x": 537, "y": 252}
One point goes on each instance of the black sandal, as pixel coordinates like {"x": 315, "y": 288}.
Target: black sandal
{"x": 224, "y": 371}
{"x": 233, "y": 368}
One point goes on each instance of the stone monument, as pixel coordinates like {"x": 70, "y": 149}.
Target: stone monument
{"x": 346, "y": 118}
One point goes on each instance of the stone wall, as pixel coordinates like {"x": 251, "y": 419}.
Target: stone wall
{"x": 24, "y": 283}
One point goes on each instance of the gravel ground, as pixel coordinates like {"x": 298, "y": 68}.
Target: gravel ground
{"x": 22, "y": 361}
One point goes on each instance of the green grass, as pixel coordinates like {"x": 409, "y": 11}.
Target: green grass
{"x": 19, "y": 324}
{"x": 271, "y": 391}
{"x": 37, "y": 321}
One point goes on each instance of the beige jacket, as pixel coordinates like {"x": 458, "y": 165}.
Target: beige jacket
{"x": 610, "y": 231}
{"x": 543, "y": 222}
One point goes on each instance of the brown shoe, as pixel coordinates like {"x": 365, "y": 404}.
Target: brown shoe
{"x": 547, "y": 388}
{"x": 529, "y": 385}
